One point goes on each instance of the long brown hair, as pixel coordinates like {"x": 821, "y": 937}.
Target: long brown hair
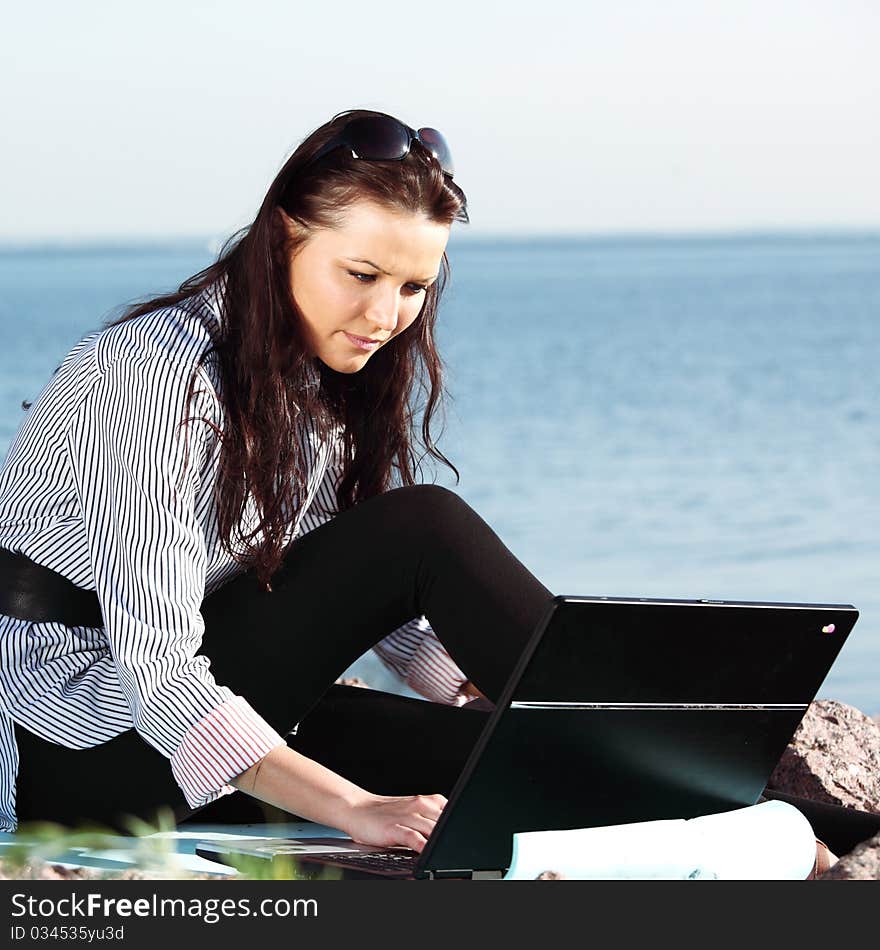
{"x": 265, "y": 366}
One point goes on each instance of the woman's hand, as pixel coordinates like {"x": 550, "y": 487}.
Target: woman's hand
{"x": 291, "y": 781}
{"x": 389, "y": 821}
{"x": 469, "y": 689}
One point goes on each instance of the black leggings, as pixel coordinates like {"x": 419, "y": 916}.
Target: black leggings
{"x": 342, "y": 588}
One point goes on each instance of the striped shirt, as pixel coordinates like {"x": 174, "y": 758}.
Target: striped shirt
{"x": 94, "y": 487}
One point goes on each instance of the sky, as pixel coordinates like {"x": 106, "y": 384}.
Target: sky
{"x": 170, "y": 119}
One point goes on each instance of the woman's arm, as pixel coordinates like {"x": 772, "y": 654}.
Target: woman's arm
{"x": 291, "y": 781}
{"x": 136, "y": 488}
{"x": 415, "y": 654}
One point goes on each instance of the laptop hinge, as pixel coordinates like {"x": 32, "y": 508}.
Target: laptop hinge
{"x": 487, "y": 875}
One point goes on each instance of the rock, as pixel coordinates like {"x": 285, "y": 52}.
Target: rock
{"x": 861, "y": 864}
{"x": 353, "y": 681}
{"x": 834, "y": 757}
{"x": 550, "y": 876}
{"x": 35, "y": 869}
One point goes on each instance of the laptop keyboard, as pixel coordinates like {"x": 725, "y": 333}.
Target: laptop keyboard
{"x": 401, "y": 862}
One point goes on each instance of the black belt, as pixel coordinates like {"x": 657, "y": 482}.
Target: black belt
{"x": 29, "y": 591}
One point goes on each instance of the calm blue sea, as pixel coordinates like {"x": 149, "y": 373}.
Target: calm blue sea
{"x": 670, "y": 417}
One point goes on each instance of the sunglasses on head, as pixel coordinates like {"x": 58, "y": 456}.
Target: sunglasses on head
{"x": 385, "y": 139}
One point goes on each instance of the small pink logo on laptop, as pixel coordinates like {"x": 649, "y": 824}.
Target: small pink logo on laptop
{"x": 828, "y": 628}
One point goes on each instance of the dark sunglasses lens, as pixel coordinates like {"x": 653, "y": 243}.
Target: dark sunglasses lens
{"x": 377, "y": 138}
{"x": 438, "y": 147}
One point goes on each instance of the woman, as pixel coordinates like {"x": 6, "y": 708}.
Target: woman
{"x": 230, "y": 469}
{"x": 215, "y": 470}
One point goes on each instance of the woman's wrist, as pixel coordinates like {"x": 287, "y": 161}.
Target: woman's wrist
{"x": 470, "y": 690}
{"x": 348, "y": 807}
{"x": 289, "y": 780}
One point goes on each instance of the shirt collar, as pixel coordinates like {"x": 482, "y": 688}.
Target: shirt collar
{"x": 213, "y": 298}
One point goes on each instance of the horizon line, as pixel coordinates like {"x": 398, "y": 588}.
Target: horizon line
{"x": 206, "y": 239}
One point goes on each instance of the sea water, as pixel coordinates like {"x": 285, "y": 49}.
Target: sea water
{"x": 683, "y": 417}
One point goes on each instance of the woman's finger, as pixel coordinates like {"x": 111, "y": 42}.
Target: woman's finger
{"x": 411, "y": 838}
{"x": 428, "y": 805}
{"x": 420, "y": 823}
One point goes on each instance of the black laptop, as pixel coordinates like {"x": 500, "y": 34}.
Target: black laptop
{"x": 619, "y": 710}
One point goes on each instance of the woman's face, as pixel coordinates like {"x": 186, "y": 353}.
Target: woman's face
{"x": 364, "y": 280}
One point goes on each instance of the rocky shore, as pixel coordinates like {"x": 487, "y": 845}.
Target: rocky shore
{"x": 834, "y": 757}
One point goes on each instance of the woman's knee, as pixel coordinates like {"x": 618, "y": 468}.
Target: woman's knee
{"x": 433, "y": 507}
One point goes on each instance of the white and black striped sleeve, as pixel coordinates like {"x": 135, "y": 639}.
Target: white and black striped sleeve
{"x": 148, "y": 555}
{"x": 414, "y": 652}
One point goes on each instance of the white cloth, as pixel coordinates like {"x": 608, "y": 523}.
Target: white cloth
{"x": 768, "y": 842}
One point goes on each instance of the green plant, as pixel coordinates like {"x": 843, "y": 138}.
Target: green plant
{"x": 281, "y": 869}
{"x": 48, "y": 841}
{"x": 151, "y": 847}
